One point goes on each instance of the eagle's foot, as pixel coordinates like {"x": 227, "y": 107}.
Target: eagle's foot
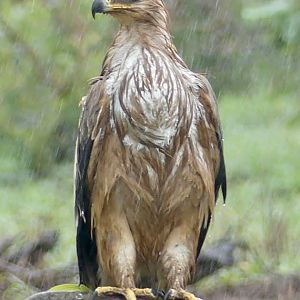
{"x": 111, "y": 290}
{"x": 128, "y": 293}
{"x": 173, "y": 294}
{"x": 148, "y": 293}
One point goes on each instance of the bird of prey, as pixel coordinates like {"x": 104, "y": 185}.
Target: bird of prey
{"x": 149, "y": 161}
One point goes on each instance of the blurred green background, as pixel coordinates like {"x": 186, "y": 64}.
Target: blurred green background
{"x": 49, "y": 49}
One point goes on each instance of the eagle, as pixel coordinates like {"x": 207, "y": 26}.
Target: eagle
{"x": 149, "y": 161}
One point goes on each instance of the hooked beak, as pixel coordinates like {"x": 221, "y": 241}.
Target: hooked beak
{"x": 99, "y": 6}
{"x": 103, "y": 7}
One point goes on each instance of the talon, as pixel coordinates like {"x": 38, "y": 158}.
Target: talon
{"x": 168, "y": 295}
{"x": 157, "y": 293}
{"x": 95, "y": 295}
{"x": 182, "y": 294}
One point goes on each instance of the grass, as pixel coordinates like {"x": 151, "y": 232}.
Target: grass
{"x": 263, "y": 166}
{"x": 262, "y": 155}
{"x": 31, "y": 206}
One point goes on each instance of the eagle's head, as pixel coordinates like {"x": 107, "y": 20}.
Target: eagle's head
{"x": 133, "y": 11}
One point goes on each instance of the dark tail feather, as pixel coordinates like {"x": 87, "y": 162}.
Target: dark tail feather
{"x": 87, "y": 255}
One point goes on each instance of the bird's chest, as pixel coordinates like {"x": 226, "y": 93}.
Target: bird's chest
{"x": 148, "y": 98}
{"x": 152, "y": 112}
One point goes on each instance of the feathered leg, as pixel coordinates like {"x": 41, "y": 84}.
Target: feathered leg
{"x": 178, "y": 262}
{"x": 117, "y": 258}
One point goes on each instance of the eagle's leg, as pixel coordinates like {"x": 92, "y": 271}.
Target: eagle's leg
{"x": 117, "y": 257}
{"x": 178, "y": 262}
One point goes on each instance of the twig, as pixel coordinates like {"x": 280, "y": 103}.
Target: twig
{"x": 218, "y": 256}
{"x": 32, "y": 251}
{"x": 41, "y": 279}
{"x": 6, "y": 243}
